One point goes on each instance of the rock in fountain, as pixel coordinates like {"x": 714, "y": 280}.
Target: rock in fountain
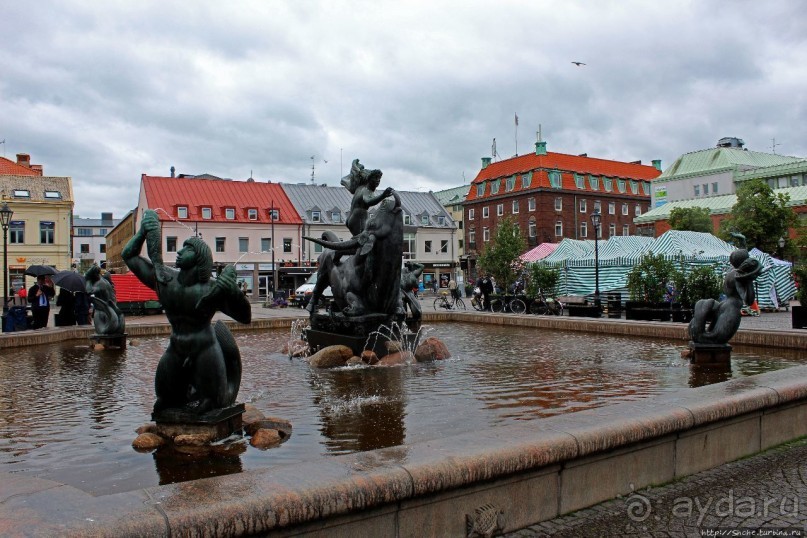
{"x": 364, "y": 272}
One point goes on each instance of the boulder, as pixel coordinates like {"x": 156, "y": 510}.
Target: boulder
{"x": 147, "y": 428}
{"x": 431, "y": 349}
{"x": 271, "y": 423}
{"x": 148, "y": 441}
{"x": 354, "y": 361}
{"x": 193, "y": 439}
{"x": 330, "y": 357}
{"x": 369, "y": 356}
{"x": 251, "y": 415}
{"x": 397, "y": 359}
{"x": 265, "y": 438}
{"x": 393, "y": 346}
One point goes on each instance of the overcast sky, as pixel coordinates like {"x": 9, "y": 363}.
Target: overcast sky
{"x": 106, "y": 91}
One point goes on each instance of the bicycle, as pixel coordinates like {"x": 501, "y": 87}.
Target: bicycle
{"x": 542, "y": 306}
{"x": 508, "y": 302}
{"x": 443, "y": 302}
{"x": 477, "y": 300}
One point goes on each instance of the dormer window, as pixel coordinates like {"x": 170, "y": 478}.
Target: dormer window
{"x": 20, "y": 193}
{"x": 594, "y": 183}
{"x": 526, "y": 179}
{"x": 480, "y": 189}
{"x": 54, "y": 195}
{"x": 336, "y": 216}
{"x": 424, "y": 220}
{"x": 229, "y": 213}
{"x": 252, "y": 214}
{"x": 441, "y": 220}
{"x": 274, "y": 214}
{"x": 316, "y": 216}
{"x": 207, "y": 213}
{"x": 182, "y": 212}
{"x": 511, "y": 183}
{"x": 555, "y": 179}
{"x": 407, "y": 220}
{"x": 495, "y": 185}
{"x": 580, "y": 181}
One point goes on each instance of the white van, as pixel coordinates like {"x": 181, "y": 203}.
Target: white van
{"x": 303, "y": 293}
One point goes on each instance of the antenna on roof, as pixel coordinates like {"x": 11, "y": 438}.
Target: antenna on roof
{"x": 773, "y": 145}
{"x": 4, "y": 147}
{"x": 312, "y": 169}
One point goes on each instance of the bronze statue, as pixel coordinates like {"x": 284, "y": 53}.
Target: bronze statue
{"x": 201, "y": 368}
{"x": 723, "y": 317}
{"x": 107, "y": 317}
{"x": 410, "y": 275}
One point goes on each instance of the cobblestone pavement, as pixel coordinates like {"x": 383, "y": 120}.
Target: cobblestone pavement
{"x": 761, "y": 493}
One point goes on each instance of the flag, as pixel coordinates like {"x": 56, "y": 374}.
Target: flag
{"x": 516, "y": 120}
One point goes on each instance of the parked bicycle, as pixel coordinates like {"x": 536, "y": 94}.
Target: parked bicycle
{"x": 443, "y": 302}
{"x": 477, "y": 300}
{"x": 508, "y": 303}
{"x": 546, "y": 307}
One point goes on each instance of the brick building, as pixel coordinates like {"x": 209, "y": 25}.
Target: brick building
{"x": 551, "y": 196}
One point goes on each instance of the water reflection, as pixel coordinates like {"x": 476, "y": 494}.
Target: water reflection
{"x": 192, "y": 463}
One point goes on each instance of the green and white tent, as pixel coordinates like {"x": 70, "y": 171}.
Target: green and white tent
{"x": 618, "y": 255}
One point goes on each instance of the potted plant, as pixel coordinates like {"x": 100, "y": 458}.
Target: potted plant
{"x": 799, "y": 313}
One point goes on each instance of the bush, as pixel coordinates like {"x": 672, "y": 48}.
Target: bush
{"x": 648, "y": 279}
{"x": 703, "y": 282}
{"x": 543, "y": 277}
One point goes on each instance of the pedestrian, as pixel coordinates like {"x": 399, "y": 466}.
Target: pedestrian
{"x": 452, "y": 288}
{"x": 435, "y": 286}
{"x": 485, "y": 285}
{"x": 66, "y": 302}
{"x": 39, "y": 297}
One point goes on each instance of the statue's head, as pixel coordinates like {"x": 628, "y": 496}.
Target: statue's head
{"x": 737, "y": 257}
{"x": 359, "y": 176}
{"x": 201, "y": 260}
{"x": 93, "y": 273}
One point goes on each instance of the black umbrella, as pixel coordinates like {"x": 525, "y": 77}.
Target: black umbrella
{"x": 40, "y": 270}
{"x": 69, "y": 280}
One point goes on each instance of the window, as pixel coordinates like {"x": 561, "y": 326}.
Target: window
{"x": 424, "y": 220}
{"x": 408, "y": 219}
{"x": 580, "y": 181}
{"x": 472, "y": 237}
{"x": 583, "y": 229}
{"x": 229, "y": 213}
{"x": 316, "y": 216}
{"x": 444, "y": 246}
{"x": 85, "y": 248}
{"x": 287, "y": 244}
{"x": 714, "y": 187}
{"x": 274, "y": 214}
{"x": 336, "y": 216}
{"x": 634, "y": 186}
{"x": 84, "y": 232}
{"x": 102, "y": 232}
{"x": 531, "y": 204}
{"x": 558, "y": 228}
{"x": 427, "y": 246}
{"x": 317, "y": 248}
{"x": 460, "y": 242}
{"x": 582, "y": 206}
{"x": 594, "y": 183}
{"x": 21, "y": 193}
{"x": 555, "y": 179}
{"x": 182, "y": 212}
{"x": 499, "y": 210}
{"x": 409, "y": 246}
{"x": 705, "y": 189}
{"x": 471, "y": 214}
{"x": 558, "y": 204}
{"x": 441, "y": 220}
{"x": 53, "y": 195}
{"x": 207, "y": 213}
{"x": 624, "y": 209}
{"x": 252, "y": 214}
{"x": 607, "y": 184}
{"x": 611, "y": 230}
{"x": 102, "y": 248}
{"x": 16, "y": 232}
{"x": 485, "y": 212}
{"x": 171, "y": 244}
{"x": 219, "y": 244}
{"x": 510, "y": 184}
{"x": 526, "y": 180}
{"x": 480, "y": 189}
{"x": 515, "y": 206}
{"x": 495, "y": 185}
{"x": 625, "y": 229}
{"x": 620, "y": 185}
{"x": 597, "y": 207}
{"x": 637, "y": 210}
{"x": 243, "y": 244}
{"x": 697, "y": 190}
{"x": 531, "y": 228}
{"x": 612, "y": 208}
{"x": 47, "y": 232}
{"x": 485, "y": 234}
{"x": 266, "y": 244}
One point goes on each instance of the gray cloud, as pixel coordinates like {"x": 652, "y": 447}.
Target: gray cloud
{"x": 105, "y": 92}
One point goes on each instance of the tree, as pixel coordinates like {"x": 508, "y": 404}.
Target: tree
{"x": 693, "y": 219}
{"x": 760, "y": 214}
{"x": 648, "y": 279}
{"x": 500, "y": 257}
{"x": 543, "y": 277}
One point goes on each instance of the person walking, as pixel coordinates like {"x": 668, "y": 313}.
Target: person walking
{"x": 39, "y": 297}
{"x": 452, "y": 288}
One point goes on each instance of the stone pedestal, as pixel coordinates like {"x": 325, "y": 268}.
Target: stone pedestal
{"x": 710, "y": 354}
{"x": 214, "y": 425}
{"x": 110, "y": 340}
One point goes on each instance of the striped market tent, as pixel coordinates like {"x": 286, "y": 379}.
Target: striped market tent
{"x": 619, "y": 254}
{"x": 539, "y": 253}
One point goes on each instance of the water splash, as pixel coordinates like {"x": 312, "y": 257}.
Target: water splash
{"x": 296, "y": 334}
{"x": 398, "y": 333}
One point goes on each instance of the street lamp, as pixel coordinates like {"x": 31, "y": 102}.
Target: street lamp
{"x": 274, "y": 267}
{"x": 5, "y": 218}
{"x": 595, "y": 221}
{"x": 781, "y": 248}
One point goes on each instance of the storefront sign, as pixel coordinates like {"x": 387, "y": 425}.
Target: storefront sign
{"x": 244, "y": 266}
{"x": 266, "y": 267}
{"x": 441, "y": 265}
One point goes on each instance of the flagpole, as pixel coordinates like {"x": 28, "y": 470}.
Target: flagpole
{"x": 516, "y": 129}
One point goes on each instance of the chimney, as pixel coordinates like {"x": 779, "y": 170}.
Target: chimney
{"x": 173, "y": 171}
{"x": 106, "y": 219}
{"x": 23, "y": 159}
{"x": 540, "y": 147}
{"x": 485, "y": 162}
{"x": 657, "y": 164}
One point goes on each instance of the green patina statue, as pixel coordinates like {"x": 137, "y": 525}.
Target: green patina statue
{"x": 107, "y": 317}
{"x": 201, "y": 369}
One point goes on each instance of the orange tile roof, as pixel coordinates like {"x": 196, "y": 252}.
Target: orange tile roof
{"x": 568, "y": 165}
{"x": 10, "y": 168}
{"x": 170, "y": 192}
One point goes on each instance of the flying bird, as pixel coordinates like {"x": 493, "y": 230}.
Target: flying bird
{"x": 578, "y": 64}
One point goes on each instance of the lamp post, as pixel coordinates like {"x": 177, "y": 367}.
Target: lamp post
{"x": 595, "y": 221}
{"x": 781, "y": 248}
{"x": 5, "y": 218}
{"x": 274, "y": 267}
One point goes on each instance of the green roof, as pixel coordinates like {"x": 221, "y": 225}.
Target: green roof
{"x": 714, "y": 160}
{"x": 717, "y": 205}
{"x": 455, "y": 195}
{"x": 795, "y": 167}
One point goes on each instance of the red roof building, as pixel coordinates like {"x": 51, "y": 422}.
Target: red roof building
{"x": 22, "y": 167}
{"x": 552, "y": 195}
